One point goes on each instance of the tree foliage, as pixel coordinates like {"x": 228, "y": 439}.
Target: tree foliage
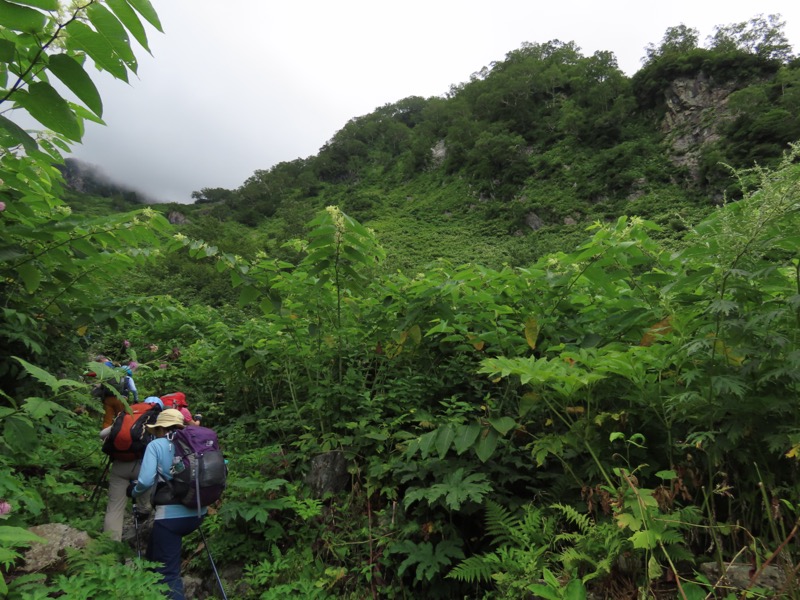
{"x": 762, "y": 36}
{"x": 62, "y": 275}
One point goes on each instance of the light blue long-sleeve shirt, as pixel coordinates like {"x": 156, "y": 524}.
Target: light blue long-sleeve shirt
{"x": 158, "y": 458}
{"x": 131, "y": 386}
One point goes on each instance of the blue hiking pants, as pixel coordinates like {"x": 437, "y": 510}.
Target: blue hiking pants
{"x": 165, "y": 548}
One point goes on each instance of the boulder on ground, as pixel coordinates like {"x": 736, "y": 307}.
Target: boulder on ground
{"x": 50, "y": 556}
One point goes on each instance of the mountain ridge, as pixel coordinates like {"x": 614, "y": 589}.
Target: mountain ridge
{"x": 529, "y": 153}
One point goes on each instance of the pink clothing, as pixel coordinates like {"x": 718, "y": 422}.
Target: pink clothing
{"x": 187, "y": 416}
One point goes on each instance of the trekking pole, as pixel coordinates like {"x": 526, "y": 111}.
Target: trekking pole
{"x": 95, "y": 497}
{"x": 136, "y": 529}
{"x": 213, "y": 566}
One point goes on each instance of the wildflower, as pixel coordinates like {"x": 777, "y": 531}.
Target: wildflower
{"x": 162, "y": 366}
{"x": 133, "y": 365}
{"x": 2, "y": 206}
{"x": 338, "y": 221}
{"x": 152, "y": 348}
{"x": 126, "y": 344}
{"x": 176, "y": 353}
{"x": 5, "y": 508}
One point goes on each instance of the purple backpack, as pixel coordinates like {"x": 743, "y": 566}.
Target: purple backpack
{"x": 199, "y": 471}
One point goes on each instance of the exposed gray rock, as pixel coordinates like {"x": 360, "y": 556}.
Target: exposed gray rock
{"x": 534, "y": 221}
{"x": 696, "y": 109}
{"x": 50, "y": 556}
{"x": 177, "y": 218}
{"x": 328, "y": 473}
{"x": 637, "y": 189}
{"x": 195, "y": 587}
{"x": 438, "y": 153}
{"x": 738, "y": 575}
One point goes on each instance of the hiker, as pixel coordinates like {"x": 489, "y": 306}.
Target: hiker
{"x": 130, "y": 385}
{"x": 172, "y": 521}
{"x": 123, "y": 469}
{"x": 112, "y": 405}
{"x": 177, "y": 400}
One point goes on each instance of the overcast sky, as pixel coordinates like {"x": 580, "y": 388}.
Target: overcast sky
{"x": 240, "y": 85}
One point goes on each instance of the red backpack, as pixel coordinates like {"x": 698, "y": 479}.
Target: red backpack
{"x": 174, "y": 400}
{"x": 129, "y": 436}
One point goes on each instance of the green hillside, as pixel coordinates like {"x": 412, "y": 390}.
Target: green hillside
{"x": 521, "y": 159}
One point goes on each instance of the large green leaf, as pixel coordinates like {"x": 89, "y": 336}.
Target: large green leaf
{"x": 50, "y": 5}
{"x": 20, "y": 434}
{"x": 18, "y": 536}
{"x": 575, "y": 590}
{"x": 427, "y": 441}
{"x": 7, "y": 51}
{"x": 40, "y": 408}
{"x": 83, "y": 37}
{"x": 248, "y": 295}
{"x": 503, "y": 424}
{"x": 21, "y": 18}
{"x": 39, "y": 373}
{"x": 487, "y": 444}
{"x": 692, "y": 591}
{"x": 107, "y": 25}
{"x": 18, "y": 133}
{"x": 543, "y": 591}
{"x": 465, "y": 437}
{"x": 144, "y": 8}
{"x": 130, "y": 20}
{"x": 72, "y": 74}
{"x": 45, "y": 105}
{"x": 444, "y": 439}
{"x": 30, "y": 276}
{"x": 645, "y": 539}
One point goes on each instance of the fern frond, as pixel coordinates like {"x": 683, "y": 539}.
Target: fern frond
{"x": 582, "y": 521}
{"x": 672, "y": 536}
{"x": 603, "y": 567}
{"x": 569, "y": 537}
{"x": 501, "y": 524}
{"x": 572, "y": 558}
{"x": 678, "y": 553}
{"x": 475, "y": 568}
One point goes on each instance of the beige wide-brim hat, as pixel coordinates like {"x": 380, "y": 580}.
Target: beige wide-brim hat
{"x": 168, "y": 418}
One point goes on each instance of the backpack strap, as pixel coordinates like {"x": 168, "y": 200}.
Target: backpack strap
{"x": 197, "y": 488}
{"x": 161, "y": 483}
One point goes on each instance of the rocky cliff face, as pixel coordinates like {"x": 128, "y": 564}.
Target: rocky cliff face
{"x": 696, "y": 109}
{"x": 90, "y": 179}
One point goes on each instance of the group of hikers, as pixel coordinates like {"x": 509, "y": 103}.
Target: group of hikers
{"x": 156, "y": 449}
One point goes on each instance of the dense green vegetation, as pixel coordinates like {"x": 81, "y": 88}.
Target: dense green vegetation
{"x": 540, "y": 145}
{"x": 600, "y": 405}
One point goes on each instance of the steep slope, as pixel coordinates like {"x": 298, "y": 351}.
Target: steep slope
{"x": 523, "y": 158}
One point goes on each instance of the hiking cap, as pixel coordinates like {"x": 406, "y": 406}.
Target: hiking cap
{"x": 167, "y": 418}
{"x": 154, "y": 400}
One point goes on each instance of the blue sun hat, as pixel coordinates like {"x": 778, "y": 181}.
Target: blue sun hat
{"x": 154, "y": 400}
